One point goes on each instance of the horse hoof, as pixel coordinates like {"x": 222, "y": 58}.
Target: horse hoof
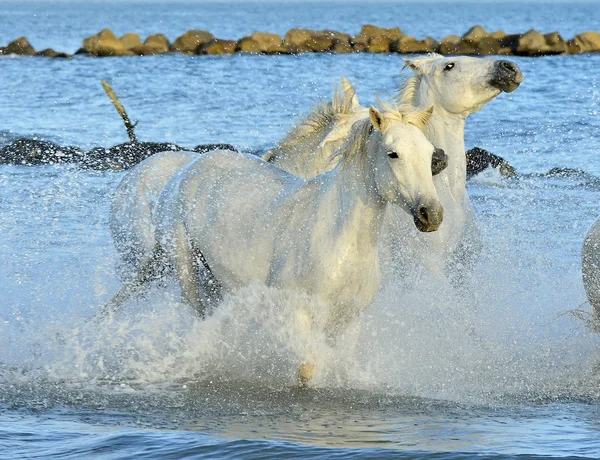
{"x": 305, "y": 373}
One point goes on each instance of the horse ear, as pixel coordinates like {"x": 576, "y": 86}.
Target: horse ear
{"x": 350, "y": 96}
{"x": 420, "y": 119}
{"x": 421, "y": 65}
{"x": 377, "y": 119}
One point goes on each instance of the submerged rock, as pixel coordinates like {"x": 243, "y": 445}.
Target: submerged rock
{"x": 124, "y": 156}
{"x": 20, "y": 46}
{"x": 35, "y": 152}
{"x": 478, "y": 160}
{"x": 203, "y": 148}
{"x": 49, "y": 52}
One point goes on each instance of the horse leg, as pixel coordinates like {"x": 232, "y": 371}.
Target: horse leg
{"x": 187, "y": 269}
{"x": 211, "y": 288}
{"x": 306, "y": 370}
{"x": 147, "y": 271}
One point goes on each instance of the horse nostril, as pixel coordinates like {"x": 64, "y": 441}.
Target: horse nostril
{"x": 423, "y": 214}
{"x": 508, "y": 66}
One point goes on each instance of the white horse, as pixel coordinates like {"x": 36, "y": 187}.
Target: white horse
{"x": 237, "y": 219}
{"x": 590, "y": 264}
{"x": 314, "y": 139}
{"x": 457, "y": 87}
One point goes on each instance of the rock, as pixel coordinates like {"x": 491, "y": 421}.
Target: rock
{"x": 217, "y": 46}
{"x": 143, "y": 50}
{"x": 588, "y": 42}
{"x": 410, "y": 45}
{"x": 533, "y": 43}
{"x": 203, "y": 148}
{"x": 360, "y": 44}
{"x": 453, "y": 44}
{"x": 248, "y": 45}
{"x": 475, "y": 34}
{"x": 556, "y": 43}
{"x": 268, "y": 43}
{"x": 34, "y": 152}
{"x": 105, "y": 43}
{"x": 343, "y": 48}
{"x": 379, "y": 45}
{"x": 304, "y": 40}
{"x": 130, "y": 41}
{"x": 123, "y": 156}
{"x": 478, "y": 160}
{"x": 574, "y": 46}
{"x": 20, "y": 46}
{"x": 49, "y": 52}
{"x": 190, "y": 41}
{"x": 499, "y": 34}
{"x": 370, "y": 32}
{"x": 297, "y": 37}
{"x": 157, "y": 43}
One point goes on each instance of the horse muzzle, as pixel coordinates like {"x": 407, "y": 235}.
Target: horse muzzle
{"x": 506, "y": 76}
{"x": 428, "y": 217}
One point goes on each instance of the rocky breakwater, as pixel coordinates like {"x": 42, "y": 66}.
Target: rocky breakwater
{"x": 372, "y": 39}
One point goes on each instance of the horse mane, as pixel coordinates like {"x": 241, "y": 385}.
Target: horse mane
{"x": 355, "y": 146}
{"x": 320, "y": 119}
{"x": 408, "y": 90}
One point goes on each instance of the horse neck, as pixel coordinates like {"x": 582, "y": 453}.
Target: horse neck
{"x": 446, "y": 131}
{"x": 351, "y": 192}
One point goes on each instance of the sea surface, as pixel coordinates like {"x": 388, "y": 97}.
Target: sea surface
{"x": 498, "y": 368}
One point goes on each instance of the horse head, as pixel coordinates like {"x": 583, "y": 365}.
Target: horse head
{"x": 403, "y": 164}
{"x": 458, "y": 84}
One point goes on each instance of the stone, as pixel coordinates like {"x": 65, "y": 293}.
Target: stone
{"x": 297, "y": 37}
{"x": 105, "y": 43}
{"x": 343, "y": 48}
{"x": 123, "y": 156}
{"x": 144, "y": 50}
{"x": 487, "y": 46}
{"x": 556, "y": 43}
{"x": 533, "y": 43}
{"x": 499, "y": 34}
{"x": 454, "y": 44}
{"x": 588, "y": 42}
{"x": 218, "y": 46}
{"x": 49, "y": 52}
{"x": 203, "y": 148}
{"x": 379, "y": 45}
{"x": 24, "y": 151}
{"x": 475, "y": 34}
{"x": 268, "y": 43}
{"x": 189, "y": 42}
{"x": 130, "y": 41}
{"x": 410, "y": 45}
{"x": 370, "y": 32}
{"x": 306, "y": 41}
{"x": 574, "y": 46}
{"x": 20, "y": 46}
{"x": 248, "y": 45}
{"x": 478, "y": 160}
{"x": 158, "y": 43}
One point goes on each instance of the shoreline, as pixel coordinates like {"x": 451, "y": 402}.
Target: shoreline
{"x": 371, "y": 39}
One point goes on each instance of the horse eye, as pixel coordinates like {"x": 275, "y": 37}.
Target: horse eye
{"x": 392, "y": 155}
{"x": 449, "y": 66}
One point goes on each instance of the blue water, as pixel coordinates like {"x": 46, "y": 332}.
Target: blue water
{"x": 494, "y": 369}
